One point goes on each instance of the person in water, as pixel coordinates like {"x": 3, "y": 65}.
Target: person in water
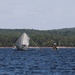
{"x": 55, "y": 46}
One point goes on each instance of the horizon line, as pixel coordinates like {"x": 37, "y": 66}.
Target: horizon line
{"x": 35, "y": 29}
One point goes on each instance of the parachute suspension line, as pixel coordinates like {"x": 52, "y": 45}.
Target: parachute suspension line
{"x": 36, "y": 44}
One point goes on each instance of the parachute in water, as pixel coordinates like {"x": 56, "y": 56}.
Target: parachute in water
{"x": 23, "y": 42}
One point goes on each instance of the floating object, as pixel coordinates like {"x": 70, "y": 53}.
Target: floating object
{"x": 55, "y": 46}
{"x": 23, "y": 42}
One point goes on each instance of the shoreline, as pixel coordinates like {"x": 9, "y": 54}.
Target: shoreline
{"x": 52, "y": 47}
{"x": 42, "y": 47}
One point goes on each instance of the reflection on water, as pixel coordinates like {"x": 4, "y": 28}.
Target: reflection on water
{"x": 37, "y": 62}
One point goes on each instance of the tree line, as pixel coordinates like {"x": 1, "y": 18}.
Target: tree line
{"x": 42, "y": 38}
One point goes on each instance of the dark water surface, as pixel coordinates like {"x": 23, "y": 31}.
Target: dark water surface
{"x": 37, "y": 62}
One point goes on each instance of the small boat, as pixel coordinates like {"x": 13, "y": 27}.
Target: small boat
{"x": 23, "y": 42}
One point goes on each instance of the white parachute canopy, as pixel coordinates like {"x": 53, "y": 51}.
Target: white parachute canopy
{"x": 23, "y": 41}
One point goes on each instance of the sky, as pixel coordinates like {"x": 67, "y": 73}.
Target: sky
{"x": 37, "y": 14}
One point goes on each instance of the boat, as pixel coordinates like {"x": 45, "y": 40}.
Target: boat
{"x": 23, "y": 42}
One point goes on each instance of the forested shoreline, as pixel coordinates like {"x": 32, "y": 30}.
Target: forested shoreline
{"x": 42, "y": 38}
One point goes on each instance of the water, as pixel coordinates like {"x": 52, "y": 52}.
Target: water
{"x": 37, "y": 62}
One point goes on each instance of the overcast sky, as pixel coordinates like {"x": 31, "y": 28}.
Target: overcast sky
{"x": 37, "y": 14}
